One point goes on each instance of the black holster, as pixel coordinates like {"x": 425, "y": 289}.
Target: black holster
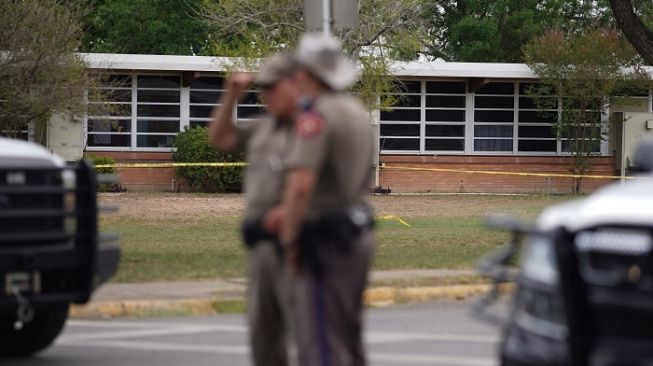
{"x": 334, "y": 231}
{"x": 254, "y": 232}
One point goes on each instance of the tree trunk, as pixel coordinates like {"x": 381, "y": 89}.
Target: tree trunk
{"x": 635, "y": 30}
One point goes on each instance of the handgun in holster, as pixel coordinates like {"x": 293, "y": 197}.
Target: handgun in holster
{"x": 254, "y": 232}
{"x": 336, "y": 230}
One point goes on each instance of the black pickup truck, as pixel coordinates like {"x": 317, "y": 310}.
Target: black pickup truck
{"x": 51, "y": 254}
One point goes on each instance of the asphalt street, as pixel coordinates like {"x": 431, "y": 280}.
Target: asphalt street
{"x": 440, "y": 333}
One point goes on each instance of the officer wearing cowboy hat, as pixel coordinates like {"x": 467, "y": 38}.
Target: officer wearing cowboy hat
{"x": 325, "y": 221}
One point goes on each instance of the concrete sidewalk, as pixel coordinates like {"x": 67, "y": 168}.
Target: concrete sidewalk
{"x": 204, "y": 297}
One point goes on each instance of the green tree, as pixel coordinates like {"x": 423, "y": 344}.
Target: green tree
{"x": 166, "y": 27}
{"x": 389, "y": 30}
{"x": 497, "y": 30}
{"x": 582, "y": 72}
{"x": 40, "y": 74}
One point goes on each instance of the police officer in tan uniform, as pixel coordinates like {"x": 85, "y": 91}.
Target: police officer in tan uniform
{"x": 267, "y": 143}
{"x": 326, "y": 221}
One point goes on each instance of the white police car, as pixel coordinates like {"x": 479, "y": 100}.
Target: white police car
{"x": 584, "y": 287}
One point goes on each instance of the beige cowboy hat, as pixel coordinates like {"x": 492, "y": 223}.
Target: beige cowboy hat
{"x": 322, "y": 56}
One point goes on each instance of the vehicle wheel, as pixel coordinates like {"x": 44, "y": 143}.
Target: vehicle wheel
{"x": 35, "y": 335}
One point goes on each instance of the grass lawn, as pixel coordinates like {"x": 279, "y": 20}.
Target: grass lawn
{"x": 181, "y": 237}
{"x": 170, "y": 250}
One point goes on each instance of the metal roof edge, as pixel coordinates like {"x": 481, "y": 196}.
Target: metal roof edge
{"x": 463, "y": 69}
{"x": 117, "y": 61}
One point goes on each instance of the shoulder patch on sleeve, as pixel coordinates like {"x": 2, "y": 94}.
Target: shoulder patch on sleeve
{"x": 309, "y": 124}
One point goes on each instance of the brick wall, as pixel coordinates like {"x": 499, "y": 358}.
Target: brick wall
{"x": 143, "y": 179}
{"x": 441, "y": 182}
{"x": 162, "y": 179}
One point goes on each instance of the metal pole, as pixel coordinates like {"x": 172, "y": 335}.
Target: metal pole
{"x": 326, "y": 20}
{"x": 622, "y": 171}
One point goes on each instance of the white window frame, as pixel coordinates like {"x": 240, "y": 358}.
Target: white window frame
{"x": 518, "y": 123}
{"x": 162, "y": 119}
{"x": 184, "y": 115}
{"x": 130, "y": 117}
{"x": 474, "y": 123}
{"x": 420, "y": 123}
{"x": 423, "y": 123}
{"x": 190, "y": 90}
{"x": 469, "y": 123}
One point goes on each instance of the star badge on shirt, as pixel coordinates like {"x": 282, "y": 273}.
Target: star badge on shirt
{"x": 309, "y": 124}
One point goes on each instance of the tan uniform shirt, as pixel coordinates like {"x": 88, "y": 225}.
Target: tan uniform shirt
{"x": 335, "y": 140}
{"x": 267, "y": 143}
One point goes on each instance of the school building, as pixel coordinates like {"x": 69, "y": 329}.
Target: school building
{"x": 450, "y": 117}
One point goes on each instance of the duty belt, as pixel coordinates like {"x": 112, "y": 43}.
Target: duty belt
{"x": 335, "y": 230}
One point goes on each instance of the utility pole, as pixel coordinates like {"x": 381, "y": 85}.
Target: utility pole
{"x": 326, "y": 17}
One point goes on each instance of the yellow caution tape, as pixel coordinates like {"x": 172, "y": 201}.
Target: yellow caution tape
{"x": 383, "y": 167}
{"x": 393, "y": 217}
{"x": 489, "y": 172}
{"x": 168, "y": 165}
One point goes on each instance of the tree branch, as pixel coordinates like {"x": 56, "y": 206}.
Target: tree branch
{"x": 245, "y": 17}
{"x": 635, "y": 30}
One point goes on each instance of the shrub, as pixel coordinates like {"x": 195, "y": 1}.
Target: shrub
{"x": 193, "y": 146}
{"x": 106, "y": 160}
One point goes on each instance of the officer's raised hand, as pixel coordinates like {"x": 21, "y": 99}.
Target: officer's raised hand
{"x": 238, "y": 82}
{"x": 222, "y": 131}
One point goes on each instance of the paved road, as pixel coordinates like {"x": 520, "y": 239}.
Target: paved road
{"x": 439, "y": 333}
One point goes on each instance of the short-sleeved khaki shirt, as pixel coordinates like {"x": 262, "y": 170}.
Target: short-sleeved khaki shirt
{"x": 267, "y": 144}
{"x": 335, "y": 139}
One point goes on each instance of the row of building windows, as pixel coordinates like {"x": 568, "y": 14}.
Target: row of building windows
{"x": 143, "y": 112}
{"x": 500, "y": 117}
{"x": 147, "y": 111}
